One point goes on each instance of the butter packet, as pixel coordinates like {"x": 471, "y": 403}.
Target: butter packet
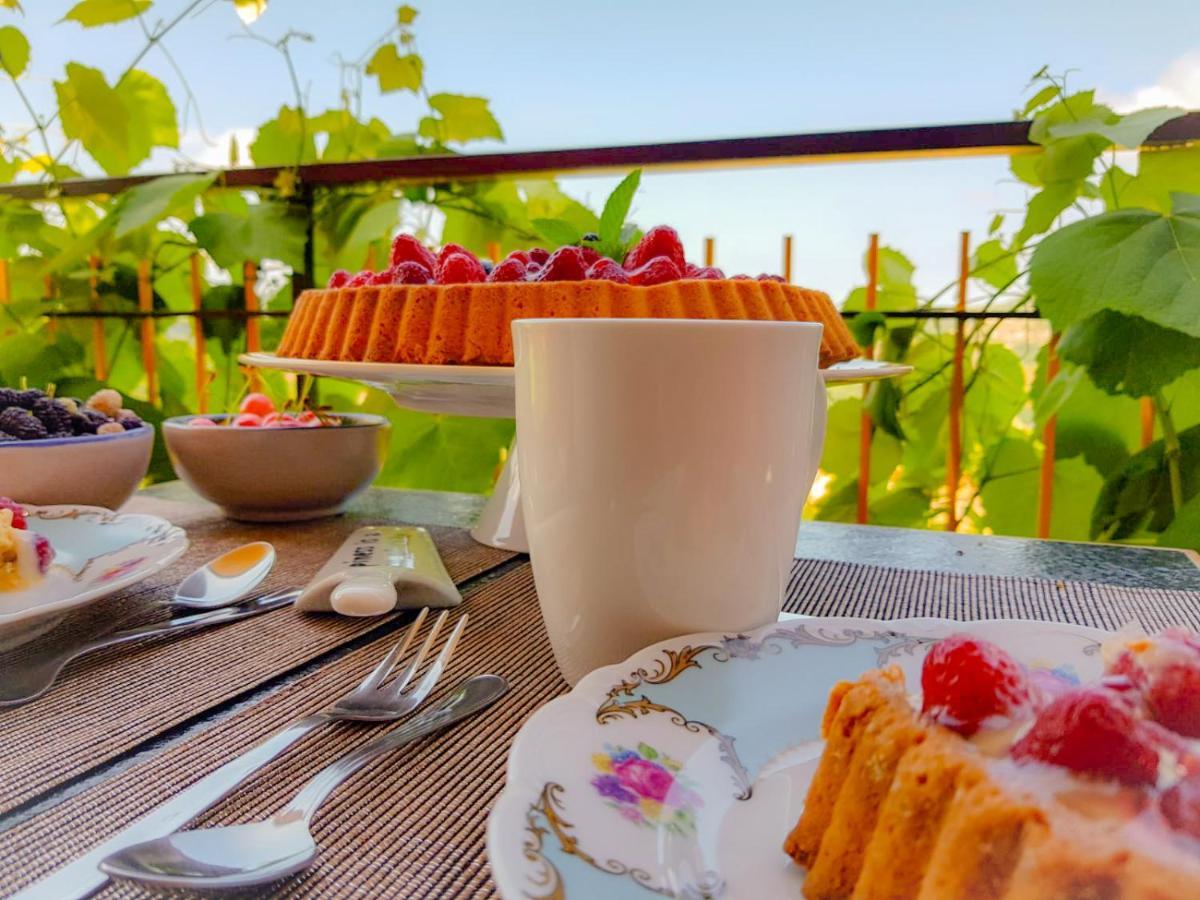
{"x": 380, "y": 568}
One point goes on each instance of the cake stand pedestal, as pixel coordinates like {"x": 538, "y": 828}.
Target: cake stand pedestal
{"x": 489, "y": 392}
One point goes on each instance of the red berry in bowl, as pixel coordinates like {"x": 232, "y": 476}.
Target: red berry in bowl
{"x": 538, "y": 255}
{"x": 966, "y": 682}
{"x": 247, "y": 420}
{"x": 339, "y": 278}
{"x": 1092, "y": 731}
{"x": 309, "y": 419}
{"x": 564, "y": 264}
{"x": 660, "y": 241}
{"x": 18, "y": 513}
{"x": 605, "y": 269}
{"x": 406, "y": 248}
{"x": 259, "y": 404}
{"x": 202, "y": 422}
{"x": 1180, "y": 805}
{"x": 512, "y": 269}
{"x": 659, "y": 270}
{"x": 460, "y": 268}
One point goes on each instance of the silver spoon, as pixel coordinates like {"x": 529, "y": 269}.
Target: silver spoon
{"x": 227, "y": 578}
{"x": 242, "y": 856}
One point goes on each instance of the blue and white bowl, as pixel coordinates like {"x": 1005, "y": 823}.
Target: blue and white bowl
{"x": 89, "y": 470}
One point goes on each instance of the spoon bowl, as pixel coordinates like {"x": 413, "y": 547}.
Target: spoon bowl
{"x": 227, "y": 578}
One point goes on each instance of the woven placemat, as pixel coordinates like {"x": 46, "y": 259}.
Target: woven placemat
{"x": 110, "y": 702}
{"x": 413, "y": 825}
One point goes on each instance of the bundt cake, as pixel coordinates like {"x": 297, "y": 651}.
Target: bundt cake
{"x": 449, "y": 309}
{"x": 1027, "y": 790}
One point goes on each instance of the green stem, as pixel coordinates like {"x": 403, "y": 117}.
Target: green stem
{"x": 1172, "y": 450}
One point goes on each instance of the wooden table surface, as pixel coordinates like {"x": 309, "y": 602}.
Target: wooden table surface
{"x": 931, "y": 551}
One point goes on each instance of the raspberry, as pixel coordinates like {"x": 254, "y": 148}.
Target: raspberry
{"x": 45, "y": 553}
{"x": 512, "y": 269}
{"x": 18, "y": 513}
{"x": 967, "y": 681}
{"x": 660, "y": 241}
{"x": 522, "y": 255}
{"x": 22, "y": 424}
{"x": 1165, "y": 670}
{"x": 766, "y": 277}
{"x": 1180, "y": 805}
{"x": 659, "y": 270}
{"x": 406, "y": 248}
{"x": 460, "y": 268}
{"x": 590, "y": 256}
{"x": 53, "y": 415}
{"x": 450, "y": 250}
{"x": 362, "y": 279}
{"x": 202, "y": 422}
{"x": 106, "y": 401}
{"x": 707, "y": 273}
{"x": 259, "y": 404}
{"x": 339, "y": 278}
{"x": 381, "y": 278}
{"x": 740, "y": 278}
{"x": 564, "y": 264}
{"x": 538, "y": 255}
{"x": 309, "y": 419}
{"x": 690, "y": 270}
{"x": 1092, "y": 731}
{"x": 247, "y": 420}
{"x": 410, "y": 272}
{"x": 605, "y": 269}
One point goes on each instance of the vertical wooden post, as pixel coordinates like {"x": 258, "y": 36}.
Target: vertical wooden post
{"x": 954, "y": 444}
{"x": 1046, "y": 475}
{"x": 369, "y": 265}
{"x": 494, "y": 251}
{"x": 99, "y": 351}
{"x": 253, "y": 335}
{"x": 1147, "y": 422}
{"x": 198, "y": 336}
{"x": 5, "y": 282}
{"x": 866, "y": 426}
{"x": 787, "y": 258}
{"x": 710, "y": 250}
{"x": 146, "y": 305}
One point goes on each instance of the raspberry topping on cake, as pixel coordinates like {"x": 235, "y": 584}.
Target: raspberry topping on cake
{"x": 969, "y": 684}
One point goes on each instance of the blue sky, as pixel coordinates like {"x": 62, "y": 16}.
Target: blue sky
{"x": 566, "y": 74}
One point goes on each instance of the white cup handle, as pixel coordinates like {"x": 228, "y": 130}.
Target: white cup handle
{"x": 820, "y": 415}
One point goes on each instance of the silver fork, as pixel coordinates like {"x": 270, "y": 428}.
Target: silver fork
{"x": 371, "y": 701}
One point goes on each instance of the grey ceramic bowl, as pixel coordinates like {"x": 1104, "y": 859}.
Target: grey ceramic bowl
{"x": 89, "y": 470}
{"x": 279, "y": 474}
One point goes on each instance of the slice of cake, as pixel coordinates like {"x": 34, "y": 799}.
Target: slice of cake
{"x": 450, "y": 309}
{"x": 1005, "y": 784}
{"x": 24, "y": 555}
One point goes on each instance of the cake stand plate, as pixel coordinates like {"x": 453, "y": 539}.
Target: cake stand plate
{"x": 490, "y": 392}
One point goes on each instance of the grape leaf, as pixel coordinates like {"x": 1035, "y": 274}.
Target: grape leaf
{"x": 1128, "y": 355}
{"x": 616, "y": 207}
{"x": 396, "y": 72}
{"x": 1010, "y": 493}
{"x": 1041, "y": 98}
{"x": 14, "y": 50}
{"x": 95, "y": 115}
{"x": 267, "y": 231}
{"x": 1184, "y": 530}
{"x": 90, "y": 13}
{"x": 1135, "y": 262}
{"x": 460, "y": 119}
{"x": 249, "y": 11}
{"x": 147, "y": 203}
{"x": 896, "y": 290}
{"x": 1125, "y": 131}
{"x": 406, "y": 15}
{"x": 994, "y": 264}
{"x": 152, "y": 119}
{"x": 1160, "y": 173}
{"x": 1043, "y": 208}
{"x": 286, "y": 140}
{"x": 1139, "y": 495}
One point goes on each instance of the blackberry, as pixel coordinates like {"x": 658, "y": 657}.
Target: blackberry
{"x": 130, "y": 422}
{"x": 26, "y": 399}
{"x": 53, "y": 415}
{"x": 22, "y": 424}
{"x": 5, "y": 437}
{"x": 86, "y": 421}
{"x": 8, "y": 397}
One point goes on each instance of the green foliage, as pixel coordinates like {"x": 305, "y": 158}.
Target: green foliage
{"x": 266, "y": 231}
{"x": 457, "y": 120}
{"x": 1139, "y": 495}
{"x": 1115, "y": 351}
{"x": 14, "y": 51}
{"x": 397, "y": 72}
{"x": 90, "y": 13}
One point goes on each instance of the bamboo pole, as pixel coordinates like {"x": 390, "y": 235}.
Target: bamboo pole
{"x": 253, "y": 335}
{"x": 787, "y": 258}
{"x": 710, "y": 250}
{"x": 1046, "y": 475}
{"x": 866, "y": 426}
{"x": 146, "y": 304}
{"x": 198, "y": 336}
{"x": 1147, "y": 422}
{"x": 5, "y": 283}
{"x": 954, "y": 445}
{"x": 369, "y": 265}
{"x": 493, "y": 251}
{"x": 99, "y": 350}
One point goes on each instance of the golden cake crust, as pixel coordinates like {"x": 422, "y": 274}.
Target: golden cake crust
{"x": 469, "y": 324}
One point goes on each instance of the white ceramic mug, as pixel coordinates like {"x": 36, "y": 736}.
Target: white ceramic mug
{"x": 664, "y": 464}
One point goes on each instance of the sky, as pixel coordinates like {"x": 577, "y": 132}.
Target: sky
{"x": 564, "y": 74}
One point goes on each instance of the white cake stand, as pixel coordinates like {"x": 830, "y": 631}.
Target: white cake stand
{"x": 489, "y": 392}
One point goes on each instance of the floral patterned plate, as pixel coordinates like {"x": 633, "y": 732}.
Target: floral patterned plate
{"x": 97, "y": 553}
{"x": 680, "y": 771}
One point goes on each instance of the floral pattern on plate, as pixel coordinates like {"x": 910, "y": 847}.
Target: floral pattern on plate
{"x": 722, "y": 732}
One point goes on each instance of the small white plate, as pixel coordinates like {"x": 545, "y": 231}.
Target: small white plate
{"x": 680, "y": 771}
{"x": 486, "y": 391}
{"x": 97, "y": 553}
